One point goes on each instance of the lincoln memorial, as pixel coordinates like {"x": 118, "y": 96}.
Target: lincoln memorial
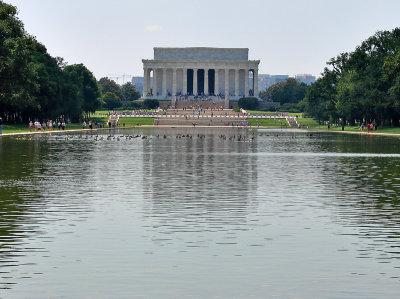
{"x": 188, "y": 73}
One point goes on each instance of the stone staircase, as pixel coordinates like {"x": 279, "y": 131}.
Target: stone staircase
{"x": 203, "y": 113}
{"x": 202, "y": 104}
{"x": 221, "y": 122}
{"x": 292, "y": 121}
{"x": 113, "y": 119}
{"x": 206, "y": 117}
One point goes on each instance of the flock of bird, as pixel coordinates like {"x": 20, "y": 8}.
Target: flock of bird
{"x": 158, "y": 136}
{"x": 178, "y": 136}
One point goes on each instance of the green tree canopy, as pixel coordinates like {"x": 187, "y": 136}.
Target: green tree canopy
{"x": 108, "y": 85}
{"x": 111, "y": 100}
{"x": 129, "y": 92}
{"x": 288, "y": 91}
{"x": 34, "y": 85}
{"x": 361, "y": 86}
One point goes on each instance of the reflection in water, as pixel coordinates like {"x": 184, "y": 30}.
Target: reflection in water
{"x": 210, "y": 191}
{"x": 291, "y": 214}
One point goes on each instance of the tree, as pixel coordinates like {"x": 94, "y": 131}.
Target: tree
{"x": 18, "y": 76}
{"x": 289, "y": 91}
{"x": 111, "y": 100}
{"x": 362, "y": 85}
{"x": 34, "y": 85}
{"x": 48, "y": 95}
{"x": 319, "y": 99}
{"x": 82, "y": 93}
{"x": 129, "y": 92}
{"x": 108, "y": 85}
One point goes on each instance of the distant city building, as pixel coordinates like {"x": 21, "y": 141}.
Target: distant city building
{"x": 266, "y": 80}
{"x": 138, "y": 82}
{"x": 305, "y": 78}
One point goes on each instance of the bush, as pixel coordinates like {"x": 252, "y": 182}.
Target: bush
{"x": 289, "y": 107}
{"x": 133, "y": 105}
{"x": 151, "y": 103}
{"x": 236, "y": 109}
{"x": 249, "y": 103}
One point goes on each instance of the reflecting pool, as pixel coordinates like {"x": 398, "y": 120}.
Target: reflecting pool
{"x": 200, "y": 213}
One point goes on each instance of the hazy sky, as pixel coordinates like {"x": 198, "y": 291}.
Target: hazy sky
{"x": 289, "y": 37}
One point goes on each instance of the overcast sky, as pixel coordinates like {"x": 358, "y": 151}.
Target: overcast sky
{"x": 289, "y": 37}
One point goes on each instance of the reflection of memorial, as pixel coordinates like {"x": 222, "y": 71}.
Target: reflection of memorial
{"x": 191, "y": 180}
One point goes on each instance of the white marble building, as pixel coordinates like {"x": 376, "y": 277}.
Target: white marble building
{"x": 214, "y": 72}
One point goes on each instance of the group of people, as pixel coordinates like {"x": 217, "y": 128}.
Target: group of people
{"x": 49, "y": 125}
{"x": 370, "y": 127}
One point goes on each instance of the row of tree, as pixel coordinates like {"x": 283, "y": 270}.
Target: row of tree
{"x": 114, "y": 95}
{"x": 35, "y": 85}
{"x": 289, "y": 91}
{"x": 360, "y": 86}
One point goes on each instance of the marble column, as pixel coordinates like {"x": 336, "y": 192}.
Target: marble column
{"x": 173, "y": 101}
{"x": 173, "y": 83}
{"x": 184, "y": 82}
{"x": 246, "y": 82}
{"x": 226, "y": 88}
{"x": 255, "y": 82}
{"x": 226, "y": 83}
{"x": 237, "y": 82}
{"x": 164, "y": 82}
{"x": 145, "y": 84}
{"x": 206, "y": 81}
{"x": 195, "y": 82}
{"x": 154, "y": 82}
{"x": 216, "y": 85}
{"x": 148, "y": 81}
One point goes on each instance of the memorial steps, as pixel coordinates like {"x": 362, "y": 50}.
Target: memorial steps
{"x": 203, "y": 113}
{"x": 207, "y": 117}
{"x": 203, "y": 104}
{"x": 193, "y": 121}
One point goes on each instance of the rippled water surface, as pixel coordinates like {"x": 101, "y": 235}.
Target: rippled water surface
{"x": 274, "y": 214}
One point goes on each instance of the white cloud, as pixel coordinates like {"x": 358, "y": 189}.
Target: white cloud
{"x": 153, "y": 28}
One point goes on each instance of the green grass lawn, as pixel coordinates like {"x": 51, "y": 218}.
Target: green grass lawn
{"x": 267, "y": 122}
{"x": 23, "y": 128}
{"x": 273, "y": 112}
{"x": 105, "y": 112}
{"x": 307, "y": 122}
{"x": 260, "y": 112}
{"x": 134, "y": 121}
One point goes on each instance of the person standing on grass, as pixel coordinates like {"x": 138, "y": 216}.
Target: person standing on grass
{"x": 84, "y": 124}
{"x": 1, "y": 126}
{"x": 63, "y": 125}
{"x": 30, "y": 126}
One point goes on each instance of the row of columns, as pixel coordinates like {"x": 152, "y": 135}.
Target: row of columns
{"x": 147, "y": 87}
